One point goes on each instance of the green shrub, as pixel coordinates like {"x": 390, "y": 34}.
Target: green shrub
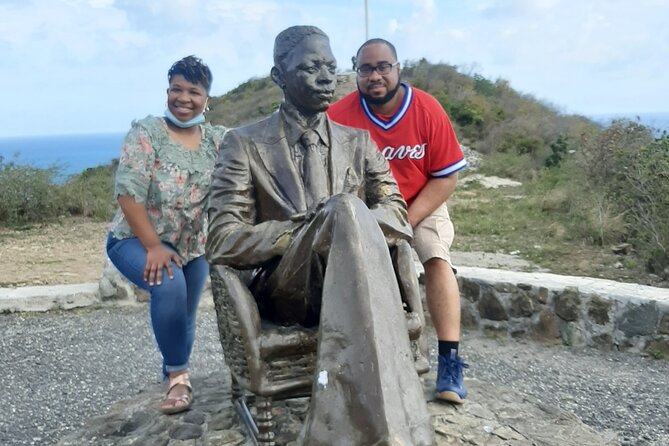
{"x": 34, "y": 195}
{"x": 466, "y": 113}
{"x": 509, "y": 165}
{"x": 623, "y": 190}
{"x": 29, "y": 194}
{"x": 641, "y": 184}
{"x": 559, "y": 149}
{"x": 484, "y": 86}
{"x": 601, "y": 154}
{"x": 597, "y": 219}
{"x": 90, "y": 194}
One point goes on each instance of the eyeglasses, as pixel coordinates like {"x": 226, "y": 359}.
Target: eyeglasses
{"x": 382, "y": 69}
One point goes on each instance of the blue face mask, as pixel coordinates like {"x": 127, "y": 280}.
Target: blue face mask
{"x": 199, "y": 119}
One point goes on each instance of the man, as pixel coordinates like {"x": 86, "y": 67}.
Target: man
{"x": 310, "y": 209}
{"x": 415, "y": 135}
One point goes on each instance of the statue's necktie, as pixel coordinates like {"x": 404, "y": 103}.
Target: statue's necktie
{"x": 313, "y": 169}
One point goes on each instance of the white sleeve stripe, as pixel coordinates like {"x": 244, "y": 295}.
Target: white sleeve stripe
{"x": 450, "y": 169}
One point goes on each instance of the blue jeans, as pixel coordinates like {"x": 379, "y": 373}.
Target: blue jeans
{"x": 173, "y": 303}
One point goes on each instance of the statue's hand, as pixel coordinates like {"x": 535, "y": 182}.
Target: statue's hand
{"x": 300, "y": 216}
{"x": 311, "y": 213}
{"x": 282, "y": 242}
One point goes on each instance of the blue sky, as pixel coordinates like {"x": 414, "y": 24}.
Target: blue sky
{"x": 87, "y": 66}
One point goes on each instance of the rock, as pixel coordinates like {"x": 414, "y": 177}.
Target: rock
{"x": 572, "y": 334}
{"x": 567, "y": 303}
{"x": 603, "y": 341}
{"x": 194, "y": 417}
{"x": 664, "y": 324}
{"x": 490, "y": 307}
{"x": 469, "y": 315}
{"x": 114, "y": 286}
{"x": 638, "y": 319}
{"x": 659, "y": 348}
{"x": 224, "y": 438}
{"x": 493, "y": 415}
{"x": 469, "y": 289}
{"x": 472, "y": 156}
{"x": 547, "y": 326}
{"x": 599, "y": 310}
{"x": 489, "y": 182}
{"x": 542, "y": 295}
{"x": 185, "y": 431}
{"x": 521, "y": 305}
{"x": 623, "y": 248}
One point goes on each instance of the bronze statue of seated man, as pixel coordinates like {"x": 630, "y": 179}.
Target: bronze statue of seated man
{"x": 310, "y": 209}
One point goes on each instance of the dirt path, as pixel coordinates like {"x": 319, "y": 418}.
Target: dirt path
{"x": 71, "y": 251}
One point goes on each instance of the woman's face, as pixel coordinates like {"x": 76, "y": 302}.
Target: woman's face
{"x": 184, "y": 99}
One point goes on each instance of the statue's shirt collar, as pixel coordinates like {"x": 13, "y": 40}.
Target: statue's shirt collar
{"x": 295, "y": 124}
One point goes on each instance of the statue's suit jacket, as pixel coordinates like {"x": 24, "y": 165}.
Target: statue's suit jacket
{"x": 256, "y": 220}
{"x": 257, "y": 195}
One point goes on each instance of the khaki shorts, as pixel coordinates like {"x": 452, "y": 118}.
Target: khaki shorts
{"x": 434, "y": 235}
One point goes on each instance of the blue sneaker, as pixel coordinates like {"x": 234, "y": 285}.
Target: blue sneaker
{"x": 449, "y": 379}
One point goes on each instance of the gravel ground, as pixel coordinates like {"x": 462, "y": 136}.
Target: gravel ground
{"x": 617, "y": 391}
{"x": 61, "y": 368}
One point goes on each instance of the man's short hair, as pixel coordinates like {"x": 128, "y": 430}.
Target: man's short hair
{"x": 289, "y": 38}
{"x": 375, "y": 41}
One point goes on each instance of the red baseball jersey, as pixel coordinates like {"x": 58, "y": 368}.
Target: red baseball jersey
{"x": 418, "y": 140}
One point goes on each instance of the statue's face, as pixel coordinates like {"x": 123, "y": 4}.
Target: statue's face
{"x": 309, "y": 75}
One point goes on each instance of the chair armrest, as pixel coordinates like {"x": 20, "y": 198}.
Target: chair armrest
{"x": 277, "y": 341}
{"x": 238, "y": 319}
{"x": 407, "y": 279}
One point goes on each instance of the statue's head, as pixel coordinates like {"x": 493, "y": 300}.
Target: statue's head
{"x": 305, "y": 68}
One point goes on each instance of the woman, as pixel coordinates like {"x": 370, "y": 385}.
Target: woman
{"x": 158, "y": 234}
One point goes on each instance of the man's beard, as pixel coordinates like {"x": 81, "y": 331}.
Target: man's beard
{"x": 382, "y": 100}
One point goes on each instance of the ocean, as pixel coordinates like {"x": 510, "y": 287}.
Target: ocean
{"x": 75, "y": 153}
{"x": 72, "y": 154}
{"x": 659, "y": 122}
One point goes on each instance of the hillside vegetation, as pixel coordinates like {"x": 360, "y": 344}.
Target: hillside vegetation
{"x": 584, "y": 188}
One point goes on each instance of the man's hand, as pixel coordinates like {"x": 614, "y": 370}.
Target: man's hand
{"x": 157, "y": 258}
{"x": 435, "y": 192}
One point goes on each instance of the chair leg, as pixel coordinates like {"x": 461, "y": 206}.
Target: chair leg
{"x": 420, "y": 354}
{"x": 265, "y": 422}
{"x": 239, "y": 401}
{"x": 235, "y": 388}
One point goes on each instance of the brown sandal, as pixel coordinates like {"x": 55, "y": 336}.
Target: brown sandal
{"x": 170, "y": 405}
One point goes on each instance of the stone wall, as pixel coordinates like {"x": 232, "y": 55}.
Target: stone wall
{"x": 572, "y": 310}
{"x": 575, "y": 311}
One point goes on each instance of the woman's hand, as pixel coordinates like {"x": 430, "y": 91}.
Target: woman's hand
{"x": 157, "y": 258}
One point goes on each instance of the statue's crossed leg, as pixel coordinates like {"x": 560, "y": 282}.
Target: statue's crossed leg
{"x": 366, "y": 389}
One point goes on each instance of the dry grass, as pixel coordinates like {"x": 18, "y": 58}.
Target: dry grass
{"x": 512, "y": 220}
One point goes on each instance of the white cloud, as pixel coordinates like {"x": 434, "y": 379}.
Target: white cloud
{"x": 101, "y": 3}
{"x": 72, "y": 31}
{"x": 248, "y": 13}
{"x": 77, "y": 56}
{"x": 394, "y": 26}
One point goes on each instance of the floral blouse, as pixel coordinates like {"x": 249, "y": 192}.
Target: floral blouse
{"x": 172, "y": 182}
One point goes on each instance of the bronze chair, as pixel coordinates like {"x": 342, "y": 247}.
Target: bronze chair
{"x": 274, "y": 362}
